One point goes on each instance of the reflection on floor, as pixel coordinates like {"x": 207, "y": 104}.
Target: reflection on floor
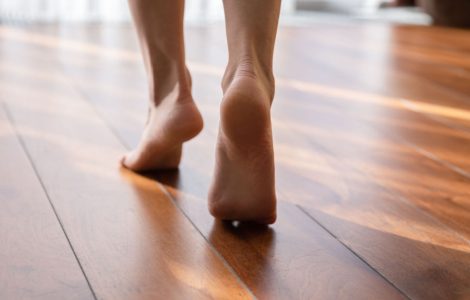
{"x": 372, "y": 142}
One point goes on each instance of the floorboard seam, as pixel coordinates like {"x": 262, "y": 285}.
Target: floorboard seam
{"x": 351, "y": 250}
{"x": 36, "y": 173}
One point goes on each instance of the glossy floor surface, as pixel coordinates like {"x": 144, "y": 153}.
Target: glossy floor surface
{"x": 372, "y": 142}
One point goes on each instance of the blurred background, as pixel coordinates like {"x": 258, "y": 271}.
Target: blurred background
{"x": 206, "y": 11}
{"x": 445, "y": 12}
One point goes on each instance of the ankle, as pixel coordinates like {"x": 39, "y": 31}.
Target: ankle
{"x": 250, "y": 66}
{"x": 169, "y": 79}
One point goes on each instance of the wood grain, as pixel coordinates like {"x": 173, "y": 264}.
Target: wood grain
{"x": 374, "y": 193}
{"x": 36, "y": 261}
{"x": 426, "y": 99}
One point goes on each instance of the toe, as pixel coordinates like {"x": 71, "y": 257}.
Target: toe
{"x": 128, "y": 160}
{"x": 122, "y": 161}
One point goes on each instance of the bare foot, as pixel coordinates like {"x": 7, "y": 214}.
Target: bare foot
{"x": 173, "y": 121}
{"x": 243, "y": 184}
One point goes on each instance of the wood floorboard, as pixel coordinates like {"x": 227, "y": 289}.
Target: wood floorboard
{"x": 388, "y": 182}
{"x": 379, "y": 226}
{"x": 36, "y": 261}
{"x": 444, "y": 84}
{"x": 130, "y": 238}
{"x": 398, "y": 85}
{"x": 452, "y": 39}
{"x": 366, "y": 145}
{"x": 365, "y": 56}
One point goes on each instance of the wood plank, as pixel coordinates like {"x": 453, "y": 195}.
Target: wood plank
{"x": 450, "y": 110}
{"x": 131, "y": 239}
{"x": 369, "y": 143}
{"x": 36, "y": 261}
{"x": 448, "y": 107}
{"x": 419, "y": 255}
{"x": 295, "y": 258}
{"x": 387, "y": 219}
{"x": 377, "y": 52}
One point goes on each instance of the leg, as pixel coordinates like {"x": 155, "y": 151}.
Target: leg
{"x": 173, "y": 117}
{"x": 243, "y": 185}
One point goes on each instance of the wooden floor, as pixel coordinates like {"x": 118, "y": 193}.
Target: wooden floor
{"x": 372, "y": 142}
